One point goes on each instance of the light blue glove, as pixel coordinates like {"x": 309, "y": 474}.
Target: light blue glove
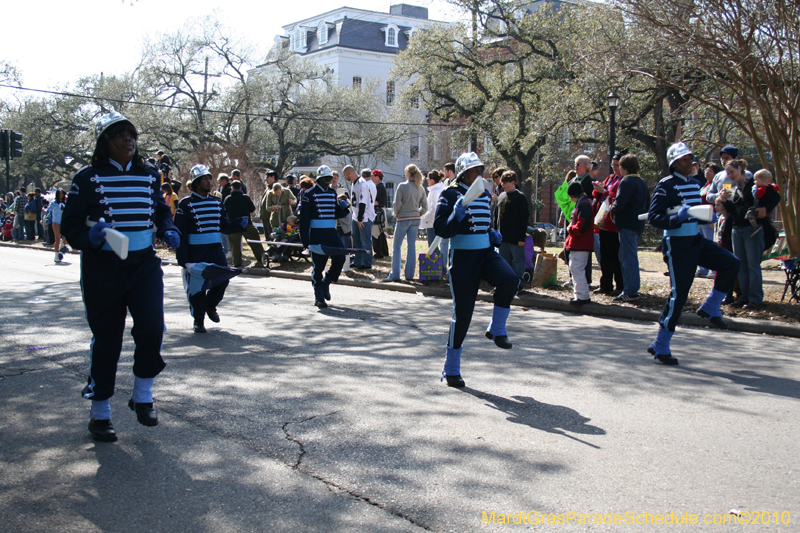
{"x": 683, "y": 214}
{"x": 343, "y": 204}
{"x": 172, "y": 238}
{"x": 96, "y": 236}
{"x": 316, "y": 248}
{"x": 460, "y": 209}
{"x": 495, "y": 237}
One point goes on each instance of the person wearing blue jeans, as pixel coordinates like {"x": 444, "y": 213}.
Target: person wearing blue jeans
{"x": 410, "y": 203}
{"x": 405, "y": 229}
{"x": 362, "y": 238}
{"x": 362, "y": 207}
{"x": 629, "y": 261}
{"x": 749, "y": 251}
{"x": 632, "y": 200}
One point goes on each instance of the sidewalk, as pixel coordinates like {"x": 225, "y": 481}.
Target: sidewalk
{"x": 747, "y": 325}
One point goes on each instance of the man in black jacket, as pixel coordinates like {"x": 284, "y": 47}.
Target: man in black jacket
{"x": 513, "y": 223}
{"x": 633, "y": 198}
{"x": 238, "y": 205}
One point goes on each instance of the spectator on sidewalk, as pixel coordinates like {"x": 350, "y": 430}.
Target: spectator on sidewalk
{"x": 580, "y": 242}
{"x": 239, "y": 205}
{"x": 747, "y": 247}
{"x": 379, "y": 244}
{"x": 31, "y": 213}
{"x": 513, "y": 214}
{"x": 435, "y": 188}
{"x": 278, "y": 206}
{"x": 19, "y": 214}
{"x": 362, "y": 205}
{"x": 610, "y": 268}
{"x": 707, "y": 229}
{"x": 410, "y": 203}
{"x": 632, "y": 199}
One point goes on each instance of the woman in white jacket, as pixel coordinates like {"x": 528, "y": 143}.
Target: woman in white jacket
{"x": 435, "y": 188}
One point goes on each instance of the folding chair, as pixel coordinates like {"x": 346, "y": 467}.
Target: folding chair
{"x": 792, "y": 269}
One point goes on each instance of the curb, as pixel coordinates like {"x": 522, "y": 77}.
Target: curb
{"x": 745, "y": 325}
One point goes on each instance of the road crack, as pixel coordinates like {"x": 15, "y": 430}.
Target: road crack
{"x": 332, "y": 485}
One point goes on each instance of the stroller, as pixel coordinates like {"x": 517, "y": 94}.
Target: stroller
{"x": 291, "y": 251}
{"x": 8, "y": 224}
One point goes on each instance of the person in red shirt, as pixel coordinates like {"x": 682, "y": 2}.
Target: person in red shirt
{"x": 580, "y": 242}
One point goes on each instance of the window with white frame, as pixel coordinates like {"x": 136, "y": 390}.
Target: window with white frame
{"x": 389, "y": 93}
{"x": 322, "y": 33}
{"x": 391, "y": 35}
{"x": 300, "y": 39}
{"x": 356, "y": 82}
{"x": 414, "y": 152}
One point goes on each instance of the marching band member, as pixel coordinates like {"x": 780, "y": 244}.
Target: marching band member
{"x": 202, "y": 220}
{"x": 119, "y": 191}
{"x": 318, "y": 213}
{"x": 472, "y": 258}
{"x": 684, "y": 248}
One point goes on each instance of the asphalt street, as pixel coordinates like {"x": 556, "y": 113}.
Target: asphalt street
{"x": 287, "y": 418}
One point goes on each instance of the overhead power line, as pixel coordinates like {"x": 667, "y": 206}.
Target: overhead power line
{"x": 218, "y": 111}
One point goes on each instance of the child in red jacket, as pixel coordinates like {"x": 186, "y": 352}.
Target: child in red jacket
{"x": 580, "y": 242}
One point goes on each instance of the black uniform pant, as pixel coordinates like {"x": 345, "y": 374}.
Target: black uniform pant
{"x": 610, "y": 267}
{"x": 112, "y": 287}
{"x": 467, "y": 269}
{"x": 319, "y": 278}
{"x": 682, "y": 255}
{"x": 210, "y": 299}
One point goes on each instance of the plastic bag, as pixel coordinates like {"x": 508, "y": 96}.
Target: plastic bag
{"x": 602, "y": 212}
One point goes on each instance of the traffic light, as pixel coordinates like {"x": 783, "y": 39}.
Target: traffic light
{"x": 3, "y": 144}
{"x": 15, "y": 144}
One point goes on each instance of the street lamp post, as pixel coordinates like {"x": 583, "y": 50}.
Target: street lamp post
{"x": 613, "y": 102}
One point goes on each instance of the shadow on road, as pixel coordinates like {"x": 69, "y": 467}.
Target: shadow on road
{"x": 753, "y": 381}
{"x": 555, "y": 419}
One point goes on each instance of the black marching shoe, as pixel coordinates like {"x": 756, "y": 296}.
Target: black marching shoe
{"x": 320, "y": 303}
{"x": 326, "y": 292}
{"x": 212, "y": 315}
{"x": 102, "y": 430}
{"x": 455, "y": 381}
{"x": 667, "y": 359}
{"x": 716, "y": 321}
{"x": 500, "y": 340}
{"x": 199, "y": 327}
{"x": 145, "y": 413}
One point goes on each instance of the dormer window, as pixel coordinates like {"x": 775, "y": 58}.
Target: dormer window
{"x": 300, "y": 42}
{"x": 392, "y": 33}
{"x": 322, "y": 33}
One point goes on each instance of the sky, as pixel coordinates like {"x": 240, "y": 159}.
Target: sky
{"x": 55, "y": 42}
